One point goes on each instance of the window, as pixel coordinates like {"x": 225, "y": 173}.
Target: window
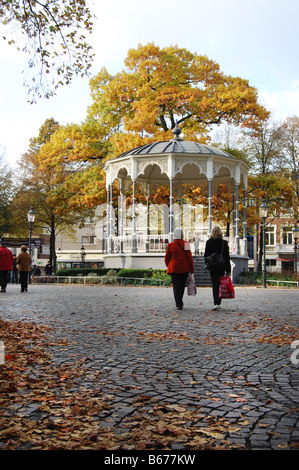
{"x": 270, "y": 262}
{"x": 270, "y": 236}
{"x": 287, "y": 235}
{"x": 89, "y": 240}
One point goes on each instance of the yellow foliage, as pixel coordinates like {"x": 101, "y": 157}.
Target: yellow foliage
{"x": 160, "y": 87}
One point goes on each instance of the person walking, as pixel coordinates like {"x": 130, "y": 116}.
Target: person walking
{"x": 24, "y": 262}
{"x": 179, "y": 262}
{"x": 15, "y": 273}
{"x": 6, "y": 265}
{"x": 196, "y": 245}
{"x": 216, "y": 244}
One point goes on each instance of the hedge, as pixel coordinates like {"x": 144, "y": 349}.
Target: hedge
{"x": 254, "y": 277}
{"x": 134, "y": 273}
{"x": 83, "y": 271}
{"x": 129, "y": 273}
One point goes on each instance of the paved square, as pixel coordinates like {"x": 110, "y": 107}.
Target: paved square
{"x": 231, "y": 375}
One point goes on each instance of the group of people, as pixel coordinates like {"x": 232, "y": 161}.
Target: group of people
{"x": 22, "y": 261}
{"x": 179, "y": 262}
{"x": 18, "y": 268}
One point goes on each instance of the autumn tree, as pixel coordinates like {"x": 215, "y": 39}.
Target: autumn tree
{"x": 162, "y": 86}
{"x": 52, "y": 180}
{"x": 7, "y": 189}
{"x": 55, "y": 42}
{"x": 287, "y": 163}
{"x": 77, "y": 151}
{"x": 261, "y": 146}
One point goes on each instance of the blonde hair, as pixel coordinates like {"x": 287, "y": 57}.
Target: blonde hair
{"x": 216, "y": 232}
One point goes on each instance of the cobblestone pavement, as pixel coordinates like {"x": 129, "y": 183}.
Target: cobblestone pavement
{"x": 235, "y": 364}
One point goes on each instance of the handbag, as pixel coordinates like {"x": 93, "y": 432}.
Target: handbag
{"x": 191, "y": 286}
{"x": 215, "y": 261}
{"x": 226, "y": 288}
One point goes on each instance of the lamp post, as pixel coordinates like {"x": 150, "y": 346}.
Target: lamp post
{"x": 31, "y": 219}
{"x": 295, "y": 236}
{"x": 263, "y": 216}
{"x": 83, "y": 254}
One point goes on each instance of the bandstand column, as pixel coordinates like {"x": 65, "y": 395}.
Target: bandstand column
{"x": 234, "y": 217}
{"x": 245, "y": 216}
{"x": 237, "y": 221}
{"x": 107, "y": 247}
{"x": 171, "y": 224}
{"x": 179, "y": 200}
{"x": 147, "y": 242}
{"x": 134, "y": 177}
{"x": 210, "y": 206}
{"x": 238, "y": 173}
{"x": 171, "y": 171}
{"x": 210, "y": 174}
{"x": 122, "y": 198}
{"x": 111, "y": 219}
{"x": 134, "y": 240}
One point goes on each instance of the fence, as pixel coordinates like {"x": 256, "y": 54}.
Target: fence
{"x": 284, "y": 282}
{"x": 85, "y": 280}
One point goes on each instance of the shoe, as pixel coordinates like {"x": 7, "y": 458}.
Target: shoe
{"x": 180, "y": 308}
{"x": 216, "y": 307}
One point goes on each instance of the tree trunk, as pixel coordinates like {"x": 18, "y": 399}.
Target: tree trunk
{"x": 52, "y": 244}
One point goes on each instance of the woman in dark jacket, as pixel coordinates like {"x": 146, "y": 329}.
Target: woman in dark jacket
{"x": 179, "y": 262}
{"x": 216, "y": 244}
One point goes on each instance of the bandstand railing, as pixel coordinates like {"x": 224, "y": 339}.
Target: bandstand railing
{"x": 158, "y": 244}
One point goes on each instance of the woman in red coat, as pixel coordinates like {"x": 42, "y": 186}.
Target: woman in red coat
{"x": 6, "y": 265}
{"x": 179, "y": 262}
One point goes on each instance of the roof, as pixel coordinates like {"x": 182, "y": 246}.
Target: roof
{"x": 175, "y": 145}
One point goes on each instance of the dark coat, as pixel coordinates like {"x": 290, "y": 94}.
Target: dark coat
{"x": 215, "y": 244}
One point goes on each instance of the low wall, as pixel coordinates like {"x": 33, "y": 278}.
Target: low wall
{"x": 241, "y": 265}
{"x": 156, "y": 261}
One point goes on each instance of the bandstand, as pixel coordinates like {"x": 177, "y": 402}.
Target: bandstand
{"x": 173, "y": 164}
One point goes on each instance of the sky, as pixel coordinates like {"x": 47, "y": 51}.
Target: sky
{"x": 257, "y": 41}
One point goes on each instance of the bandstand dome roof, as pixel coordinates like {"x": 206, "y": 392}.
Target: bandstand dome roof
{"x": 186, "y": 162}
{"x": 176, "y": 145}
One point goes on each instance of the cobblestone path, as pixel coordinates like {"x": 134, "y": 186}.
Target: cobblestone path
{"x": 234, "y": 366}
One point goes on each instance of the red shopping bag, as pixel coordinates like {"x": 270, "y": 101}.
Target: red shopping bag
{"x": 226, "y": 288}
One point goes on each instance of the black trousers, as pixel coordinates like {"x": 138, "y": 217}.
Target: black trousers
{"x": 178, "y": 285}
{"x": 215, "y": 275}
{"x": 3, "y": 279}
{"x": 24, "y": 280}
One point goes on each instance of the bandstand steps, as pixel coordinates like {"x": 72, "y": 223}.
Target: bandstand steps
{"x": 201, "y": 275}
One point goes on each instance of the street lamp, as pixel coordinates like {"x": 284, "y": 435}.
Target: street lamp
{"x": 263, "y": 216}
{"x": 295, "y": 236}
{"x": 83, "y": 254}
{"x": 31, "y": 219}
